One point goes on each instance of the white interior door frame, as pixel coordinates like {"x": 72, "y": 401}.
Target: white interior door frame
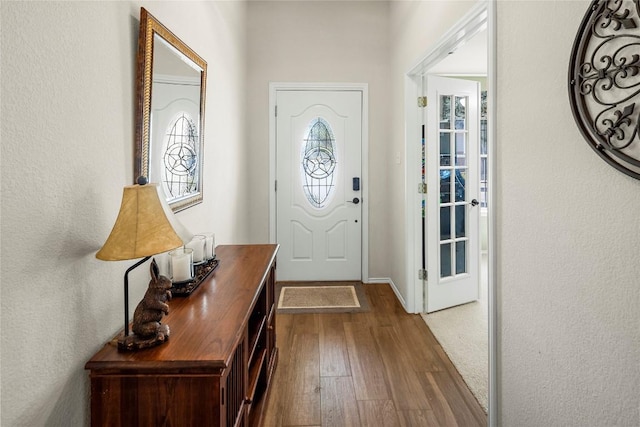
{"x": 475, "y": 20}
{"x": 362, "y": 87}
{"x": 484, "y": 13}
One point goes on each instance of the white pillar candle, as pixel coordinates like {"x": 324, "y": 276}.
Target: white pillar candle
{"x": 209, "y": 245}
{"x": 162, "y": 260}
{"x": 197, "y": 245}
{"x": 181, "y": 264}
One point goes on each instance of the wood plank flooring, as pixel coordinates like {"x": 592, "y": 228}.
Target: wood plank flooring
{"x": 378, "y": 368}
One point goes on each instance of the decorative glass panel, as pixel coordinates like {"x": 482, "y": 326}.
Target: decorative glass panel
{"x": 445, "y": 112}
{"x": 461, "y": 257}
{"x": 445, "y": 148}
{"x": 318, "y": 164}
{"x": 461, "y": 227}
{"x": 461, "y": 149}
{"x": 445, "y": 186}
{"x": 461, "y": 112}
{"x": 180, "y": 157}
{"x": 445, "y": 260}
{"x": 445, "y": 222}
{"x": 461, "y": 175}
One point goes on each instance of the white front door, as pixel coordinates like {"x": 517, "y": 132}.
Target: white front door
{"x": 452, "y": 145}
{"x": 318, "y": 195}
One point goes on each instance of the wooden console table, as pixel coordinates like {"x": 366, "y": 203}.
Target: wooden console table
{"x": 215, "y": 369}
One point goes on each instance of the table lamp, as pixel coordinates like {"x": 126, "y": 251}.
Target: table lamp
{"x": 145, "y": 226}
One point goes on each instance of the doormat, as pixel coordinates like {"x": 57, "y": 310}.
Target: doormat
{"x": 320, "y": 297}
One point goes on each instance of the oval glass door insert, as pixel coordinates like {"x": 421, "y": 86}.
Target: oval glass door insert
{"x": 318, "y": 165}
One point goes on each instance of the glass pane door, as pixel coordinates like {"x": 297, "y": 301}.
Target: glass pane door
{"x": 453, "y": 169}
{"x": 452, "y": 240}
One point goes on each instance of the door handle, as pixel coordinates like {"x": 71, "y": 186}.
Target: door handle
{"x": 474, "y": 202}
{"x": 355, "y": 201}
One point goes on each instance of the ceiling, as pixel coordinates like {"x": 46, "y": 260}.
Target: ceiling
{"x": 469, "y": 59}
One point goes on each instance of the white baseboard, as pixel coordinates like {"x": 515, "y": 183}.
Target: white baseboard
{"x": 393, "y": 286}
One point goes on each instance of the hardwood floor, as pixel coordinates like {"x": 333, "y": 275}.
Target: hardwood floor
{"x": 377, "y": 368}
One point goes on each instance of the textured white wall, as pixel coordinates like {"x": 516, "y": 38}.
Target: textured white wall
{"x": 68, "y": 82}
{"x": 568, "y": 223}
{"x": 569, "y": 228}
{"x": 317, "y": 41}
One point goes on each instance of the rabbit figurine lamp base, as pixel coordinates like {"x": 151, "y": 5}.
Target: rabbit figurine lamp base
{"x": 147, "y": 329}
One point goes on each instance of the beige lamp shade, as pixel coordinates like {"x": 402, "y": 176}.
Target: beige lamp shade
{"x": 144, "y": 226}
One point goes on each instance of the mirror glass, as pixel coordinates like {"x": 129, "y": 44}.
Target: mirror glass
{"x": 170, "y": 125}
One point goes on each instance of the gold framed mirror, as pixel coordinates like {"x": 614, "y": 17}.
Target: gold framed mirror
{"x": 171, "y": 83}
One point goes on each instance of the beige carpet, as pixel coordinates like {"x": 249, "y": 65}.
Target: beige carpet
{"x": 321, "y": 297}
{"x": 462, "y": 332}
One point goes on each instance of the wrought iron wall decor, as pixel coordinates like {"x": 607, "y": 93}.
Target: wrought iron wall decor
{"x": 604, "y": 82}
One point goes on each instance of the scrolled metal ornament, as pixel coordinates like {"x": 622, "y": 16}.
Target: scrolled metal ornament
{"x": 604, "y": 82}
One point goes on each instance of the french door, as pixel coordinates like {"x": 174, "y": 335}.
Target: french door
{"x": 452, "y": 176}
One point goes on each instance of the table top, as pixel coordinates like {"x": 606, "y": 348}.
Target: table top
{"x": 205, "y": 327}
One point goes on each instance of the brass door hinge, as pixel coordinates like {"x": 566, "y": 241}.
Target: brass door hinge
{"x": 422, "y": 101}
